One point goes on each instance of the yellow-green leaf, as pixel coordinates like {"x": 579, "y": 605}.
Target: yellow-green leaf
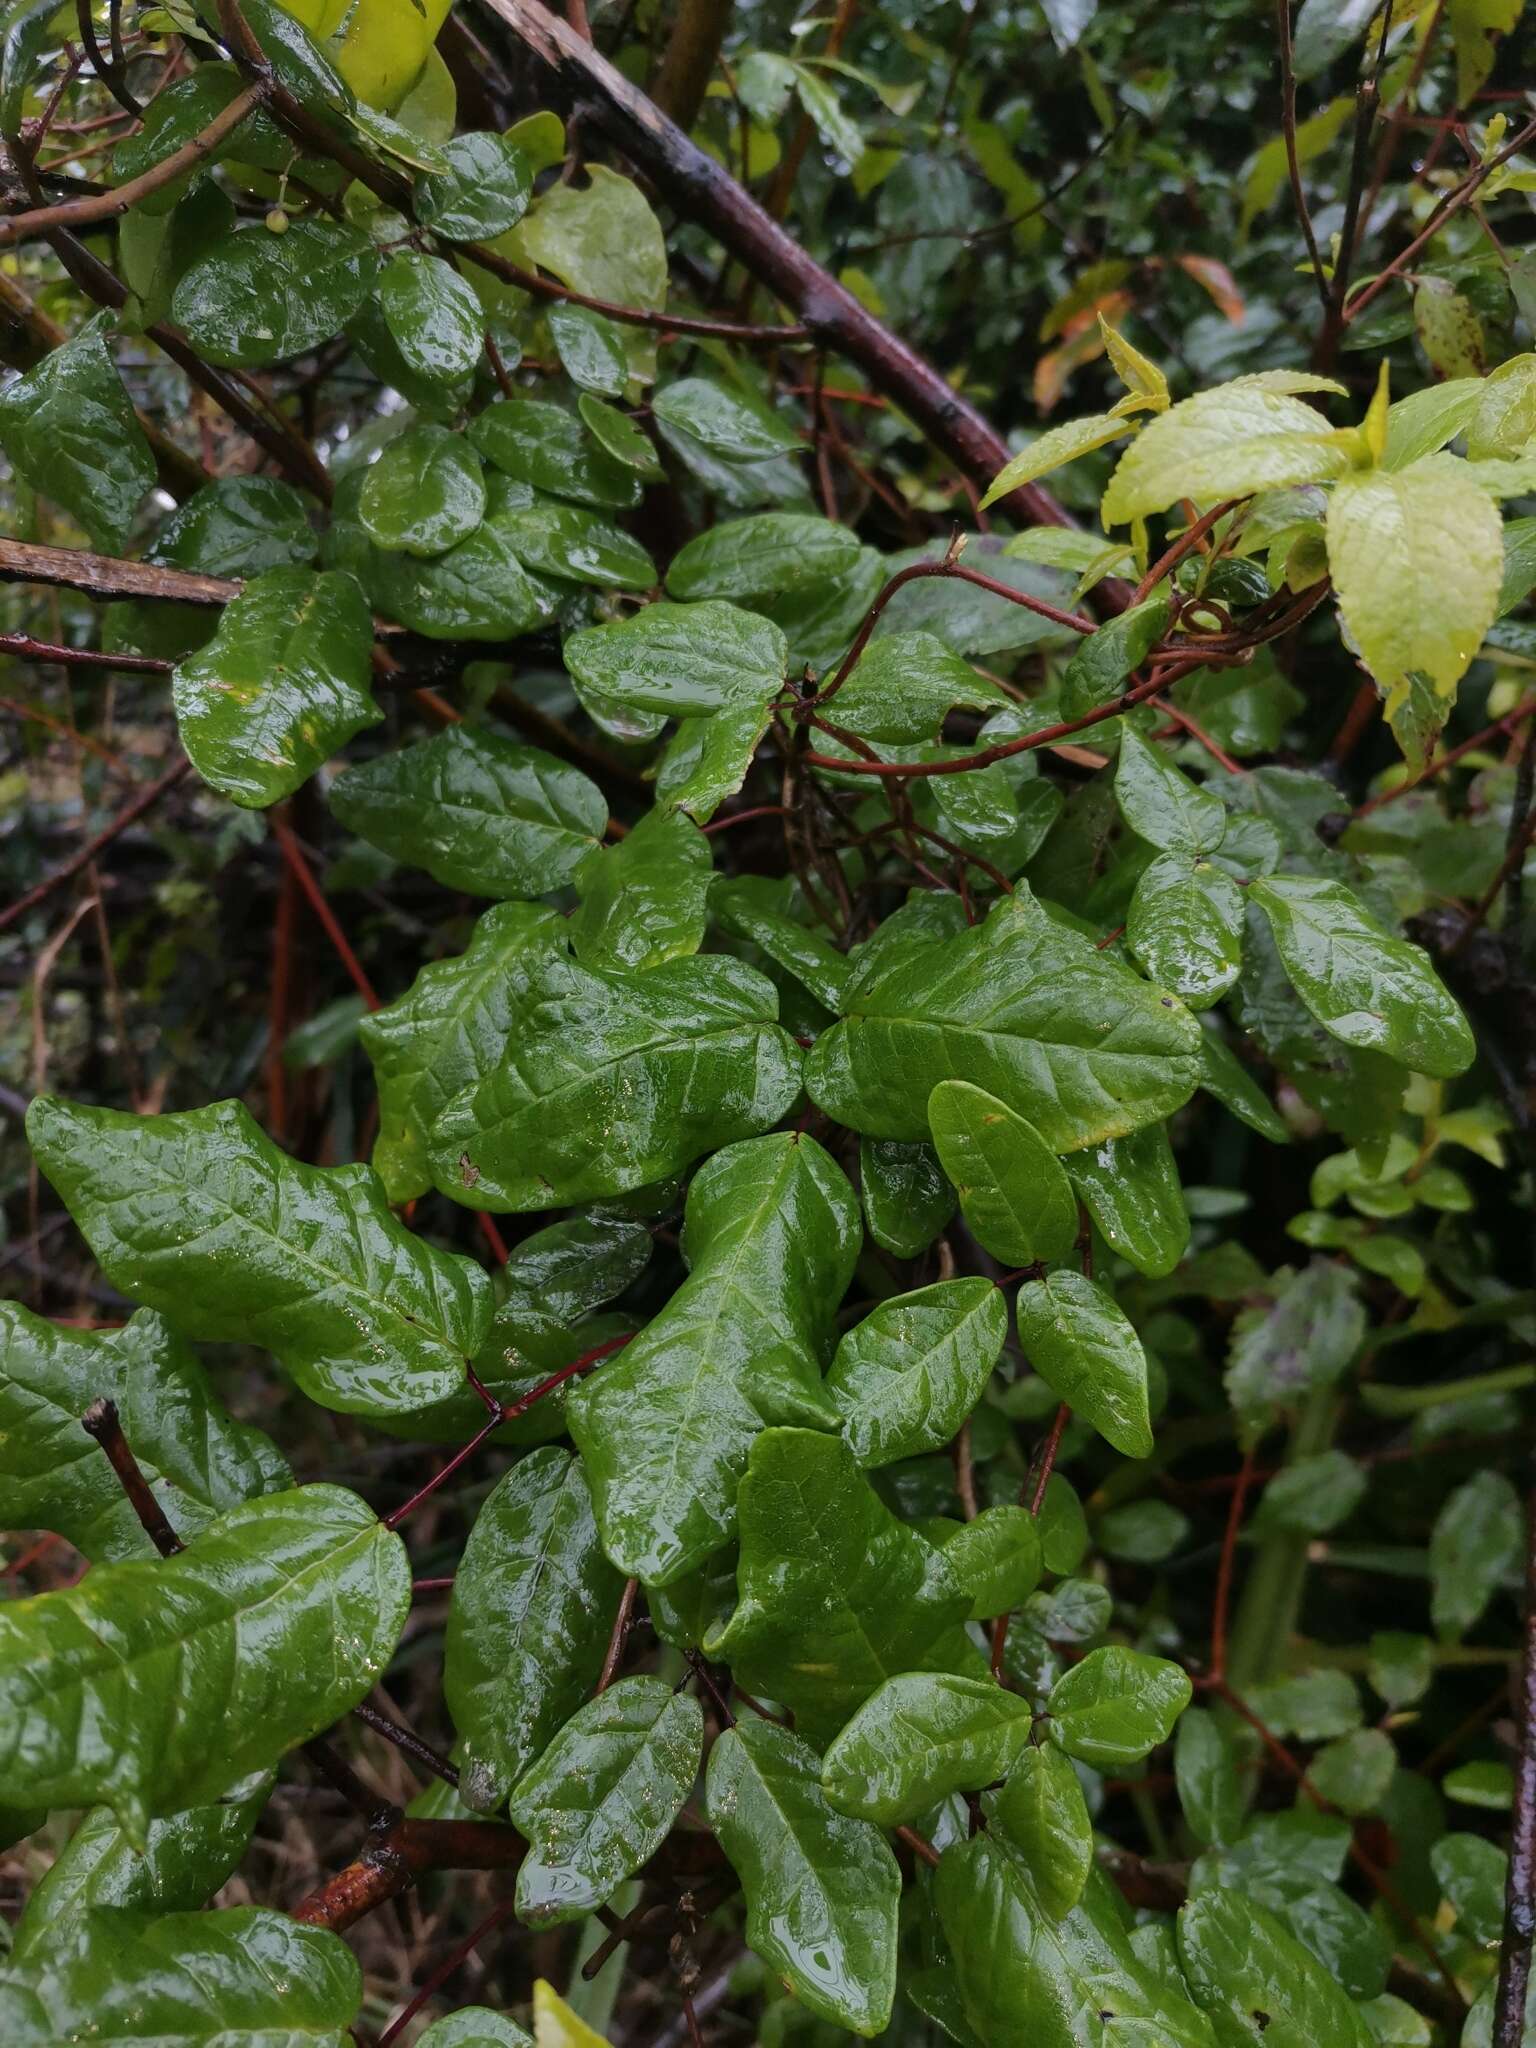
{"x": 1247, "y": 436}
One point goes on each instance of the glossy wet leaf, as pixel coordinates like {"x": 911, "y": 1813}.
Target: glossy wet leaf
{"x": 69, "y": 430}
{"x": 1014, "y": 1193}
{"x": 53, "y": 1476}
{"x": 1132, "y": 1189}
{"x": 542, "y": 444}
{"x": 425, "y": 493}
{"x": 1243, "y": 437}
{"x": 1116, "y": 1705}
{"x": 751, "y": 907}
{"x": 836, "y": 1594}
{"x": 1250, "y": 1975}
{"x": 576, "y": 544}
{"x": 643, "y": 899}
{"x": 449, "y": 1028}
{"x": 533, "y": 1602}
{"x": 907, "y": 1199}
{"x": 681, "y": 659}
{"x": 1185, "y": 927}
{"x": 242, "y": 1978}
{"x": 823, "y": 1890}
{"x": 433, "y": 314}
{"x": 617, "y": 435}
{"x": 1103, "y": 664}
{"x": 1477, "y": 1540}
{"x": 238, "y": 526}
{"x": 590, "y": 346}
{"x": 707, "y": 759}
{"x": 172, "y": 118}
{"x": 903, "y": 687}
{"x": 257, "y": 298}
{"x": 1021, "y": 1007}
{"x": 732, "y": 424}
{"x": 1043, "y": 1813}
{"x": 770, "y": 1235}
{"x": 905, "y": 1378}
{"x": 1161, "y": 804}
{"x": 284, "y": 682}
{"x": 477, "y": 811}
{"x": 920, "y": 1737}
{"x": 155, "y": 1686}
{"x": 484, "y": 191}
{"x": 1362, "y": 983}
{"x": 603, "y": 1797}
{"x": 1083, "y": 1346}
{"x": 995, "y": 1556}
{"x": 763, "y": 557}
{"x": 475, "y": 2026}
{"x": 199, "y": 1215}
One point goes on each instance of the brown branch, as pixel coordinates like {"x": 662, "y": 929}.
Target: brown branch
{"x": 25, "y": 648}
{"x": 392, "y": 1863}
{"x": 628, "y": 316}
{"x": 1520, "y": 1883}
{"x": 106, "y": 576}
{"x": 145, "y": 800}
{"x": 102, "y": 1422}
{"x": 688, "y": 61}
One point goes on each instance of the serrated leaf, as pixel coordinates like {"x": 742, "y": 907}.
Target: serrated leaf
{"x": 1083, "y": 1346}
{"x": 1055, "y": 446}
{"x": 199, "y": 1215}
{"x": 478, "y": 812}
{"x": 1363, "y": 984}
{"x": 282, "y": 684}
{"x": 681, "y": 659}
{"x": 602, "y": 1798}
{"x": 152, "y": 1687}
{"x": 1013, "y": 1191}
{"x": 548, "y": 447}
{"x": 533, "y": 1603}
{"x": 484, "y": 190}
{"x": 905, "y": 1378}
{"x": 1247, "y": 436}
{"x": 1132, "y": 1189}
{"x": 53, "y": 1476}
{"x": 1251, "y": 1975}
{"x": 615, "y": 1078}
{"x": 643, "y": 900}
{"x": 835, "y": 1594}
{"x": 242, "y": 1978}
{"x": 1185, "y": 927}
{"x": 1042, "y": 1811}
{"x": 1477, "y": 1539}
{"x": 257, "y": 298}
{"x": 770, "y": 1236}
{"x": 425, "y": 493}
{"x": 905, "y": 685}
{"x": 907, "y": 1200}
{"x": 823, "y": 1891}
{"x": 1116, "y": 1706}
{"x": 920, "y": 1737}
{"x": 70, "y": 431}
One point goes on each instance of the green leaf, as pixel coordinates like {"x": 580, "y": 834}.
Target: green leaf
{"x": 1225, "y": 1077}
{"x": 770, "y": 1236}
{"x": 1043, "y": 1813}
{"x": 1185, "y": 927}
{"x": 907, "y": 1200}
{"x": 920, "y": 1737}
{"x": 707, "y": 759}
{"x": 764, "y": 557}
{"x": 1502, "y": 417}
{"x": 1102, "y": 664}
{"x": 1161, "y": 804}
{"x": 1116, "y": 1706}
{"x": 823, "y": 1891}
{"x": 476, "y": 2026}
{"x": 1013, "y": 1191}
{"x": 1132, "y": 1189}
{"x": 238, "y": 526}
{"x": 1425, "y": 420}
{"x": 70, "y": 431}
{"x": 1363, "y": 984}
{"x": 603, "y": 1797}
{"x": 1477, "y": 1540}
{"x": 53, "y": 1476}
{"x": 478, "y": 590}
{"x": 1247, "y": 436}
{"x": 905, "y": 1378}
{"x": 1251, "y": 1976}
{"x": 533, "y": 1603}
{"x": 748, "y": 907}
{"x": 615, "y": 1078}
{"x": 478, "y": 812}
{"x": 602, "y": 238}
{"x": 546, "y": 446}
{"x": 244, "y": 1978}
{"x": 1205, "y": 1768}
{"x": 425, "y": 493}
{"x": 570, "y": 541}
{"x": 152, "y": 1687}
{"x": 433, "y": 314}
{"x": 1051, "y": 449}
{"x": 643, "y": 900}
{"x": 1065, "y": 1036}
{"x": 905, "y": 685}
{"x": 257, "y": 298}
{"x": 199, "y": 1215}
{"x": 681, "y": 659}
{"x": 1402, "y": 1666}
{"x": 1030, "y": 1980}
{"x": 591, "y": 348}
{"x": 1416, "y": 557}
{"x": 1304, "y": 1339}
{"x": 1354, "y": 1772}
{"x": 1312, "y": 1495}
{"x": 835, "y": 1594}
{"x": 448, "y": 1030}
{"x": 732, "y": 424}
{"x": 1472, "y": 1874}
{"x": 617, "y": 435}
{"x": 484, "y": 191}
{"x": 1081, "y": 1344}
{"x": 996, "y": 1556}
{"x": 282, "y": 684}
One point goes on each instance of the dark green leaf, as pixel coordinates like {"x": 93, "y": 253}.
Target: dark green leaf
{"x": 905, "y": 685}
{"x": 1080, "y": 1342}
{"x": 1013, "y": 1191}
{"x": 572, "y": 542}
{"x": 1105, "y": 661}
{"x": 198, "y": 1214}
{"x": 1161, "y": 804}
{"x": 484, "y": 191}
{"x": 603, "y": 1797}
{"x": 765, "y": 557}
{"x": 681, "y": 659}
{"x": 920, "y": 1737}
{"x": 533, "y": 1602}
{"x": 172, "y": 118}
{"x": 1251, "y": 1975}
{"x": 907, "y": 1200}
{"x": 1132, "y": 1189}
{"x": 1478, "y": 1537}
{"x": 732, "y": 425}
{"x": 749, "y": 907}
{"x": 906, "y": 1377}
{"x": 996, "y": 1557}
{"x": 543, "y": 445}
{"x": 1042, "y": 1811}
{"x": 1205, "y": 1767}
{"x": 1312, "y": 1495}
{"x": 238, "y": 526}
{"x": 478, "y": 812}
{"x": 425, "y": 493}
{"x": 70, "y": 431}
{"x": 707, "y": 759}
{"x": 1472, "y": 1873}
{"x": 1116, "y": 1705}
{"x": 617, "y": 435}
{"x": 591, "y": 348}
{"x": 433, "y": 314}
{"x": 258, "y": 297}
{"x": 1185, "y": 926}
{"x": 1224, "y": 1075}
{"x": 823, "y": 1891}
{"x": 642, "y": 900}
{"x": 475, "y": 2026}
{"x": 770, "y": 1237}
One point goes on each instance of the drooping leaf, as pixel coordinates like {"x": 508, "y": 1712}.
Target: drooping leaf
{"x": 70, "y": 431}
{"x": 533, "y": 1602}
{"x": 1083, "y": 1346}
{"x": 642, "y": 900}
{"x": 603, "y": 1797}
{"x": 1132, "y": 1189}
{"x": 749, "y": 907}
{"x": 152, "y": 1687}
{"x": 1013, "y": 1191}
{"x": 478, "y": 812}
{"x": 257, "y": 298}
{"x": 1116, "y": 1706}
{"x": 53, "y": 1476}
{"x": 823, "y": 1891}
{"x": 835, "y": 1594}
{"x": 1104, "y": 663}
{"x": 283, "y": 683}
{"x": 905, "y": 1378}
{"x": 707, "y": 759}
{"x": 614, "y": 1078}
{"x": 1042, "y": 1811}
{"x": 920, "y": 1737}
{"x": 732, "y": 424}
{"x": 425, "y": 493}
{"x": 199, "y": 1215}
{"x": 770, "y": 1235}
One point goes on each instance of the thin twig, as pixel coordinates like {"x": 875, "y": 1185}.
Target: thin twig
{"x": 129, "y": 815}
{"x": 101, "y": 1421}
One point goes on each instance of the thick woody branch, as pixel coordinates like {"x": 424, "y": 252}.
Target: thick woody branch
{"x": 689, "y": 60}
{"x": 392, "y": 1863}
{"x": 105, "y": 576}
